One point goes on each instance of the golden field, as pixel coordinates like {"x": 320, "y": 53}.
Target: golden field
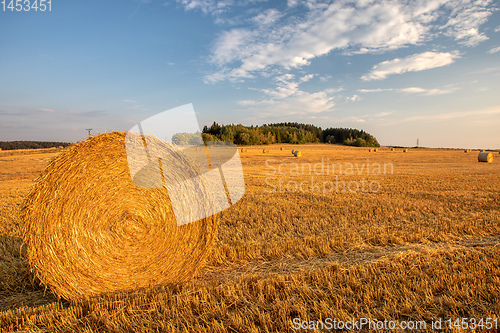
{"x": 422, "y": 244}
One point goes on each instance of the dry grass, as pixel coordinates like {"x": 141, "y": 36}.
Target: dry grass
{"x": 425, "y": 246}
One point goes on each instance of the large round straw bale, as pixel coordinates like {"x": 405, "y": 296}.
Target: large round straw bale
{"x": 370, "y": 150}
{"x": 90, "y": 230}
{"x": 392, "y": 149}
{"x": 281, "y": 148}
{"x": 405, "y": 150}
{"x": 375, "y": 149}
{"x": 297, "y": 153}
{"x": 244, "y": 150}
{"x": 485, "y": 157}
{"x": 265, "y": 150}
{"x": 293, "y": 151}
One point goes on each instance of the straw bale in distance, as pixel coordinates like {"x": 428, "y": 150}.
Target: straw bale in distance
{"x": 90, "y": 230}
{"x": 297, "y": 153}
{"x": 485, "y": 157}
{"x": 244, "y": 150}
{"x": 405, "y": 150}
{"x": 265, "y": 150}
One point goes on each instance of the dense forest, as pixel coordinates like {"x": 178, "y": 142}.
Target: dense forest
{"x": 11, "y": 145}
{"x": 294, "y": 133}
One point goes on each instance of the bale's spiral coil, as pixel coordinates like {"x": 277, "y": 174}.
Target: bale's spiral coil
{"x": 90, "y": 230}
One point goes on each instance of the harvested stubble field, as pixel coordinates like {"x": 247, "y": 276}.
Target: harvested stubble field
{"x": 423, "y": 245}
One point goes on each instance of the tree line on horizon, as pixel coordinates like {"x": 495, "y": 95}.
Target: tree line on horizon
{"x": 12, "y": 145}
{"x": 289, "y": 132}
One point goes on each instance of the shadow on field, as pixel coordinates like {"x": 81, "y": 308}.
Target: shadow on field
{"x": 18, "y": 285}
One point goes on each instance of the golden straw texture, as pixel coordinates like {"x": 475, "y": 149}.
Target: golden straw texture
{"x": 90, "y": 230}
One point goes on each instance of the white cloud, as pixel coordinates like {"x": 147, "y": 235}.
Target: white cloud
{"x": 382, "y": 114}
{"x": 494, "y": 50}
{"x": 487, "y": 70}
{"x": 287, "y": 98}
{"x": 449, "y": 115}
{"x": 286, "y": 40}
{"x": 268, "y": 17}
{"x": 47, "y": 110}
{"x": 354, "y": 98}
{"x": 497, "y": 29}
{"x": 423, "y": 91}
{"x": 465, "y": 19}
{"x": 306, "y": 78}
{"x": 207, "y": 6}
{"x": 412, "y": 90}
{"x": 374, "y": 90}
{"x": 129, "y": 101}
{"x": 413, "y": 63}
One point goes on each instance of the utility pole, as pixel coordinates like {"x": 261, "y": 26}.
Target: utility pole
{"x": 417, "y": 142}
{"x": 89, "y": 130}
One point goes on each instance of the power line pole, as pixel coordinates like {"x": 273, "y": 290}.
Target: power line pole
{"x": 89, "y": 130}
{"x": 417, "y": 142}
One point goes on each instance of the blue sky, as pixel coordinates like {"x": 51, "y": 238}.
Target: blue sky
{"x": 400, "y": 70}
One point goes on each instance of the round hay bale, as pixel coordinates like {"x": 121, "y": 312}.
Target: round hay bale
{"x": 90, "y": 230}
{"x": 293, "y": 151}
{"x": 244, "y": 150}
{"x": 370, "y": 150}
{"x": 485, "y": 157}
{"x": 405, "y": 150}
{"x": 375, "y": 150}
{"x": 392, "y": 149}
{"x": 265, "y": 150}
{"x": 281, "y": 148}
{"x": 297, "y": 153}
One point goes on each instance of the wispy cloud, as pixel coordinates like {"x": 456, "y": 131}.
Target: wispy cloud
{"x": 284, "y": 40}
{"x": 212, "y": 7}
{"x": 486, "y": 70}
{"x": 412, "y": 90}
{"x": 494, "y": 50}
{"x": 424, "y": 91}
{"x": 448, "y": 116}
{"x": 129, "y": 101}
{"x": 287, "y": 98}
{"x": 413, "y": 63}
{"x": 47, "y": 110}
